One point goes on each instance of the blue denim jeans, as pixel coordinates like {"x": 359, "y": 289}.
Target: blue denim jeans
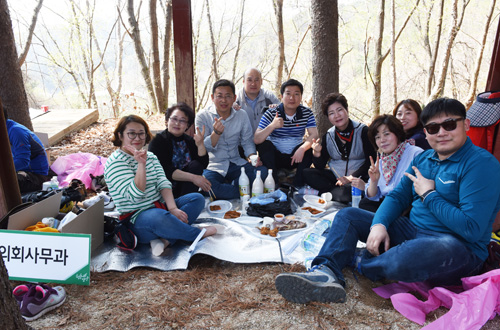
{"x": 158, "y": 223}
{"x": 227, "y": 187}
{"x": 415, "y": 255}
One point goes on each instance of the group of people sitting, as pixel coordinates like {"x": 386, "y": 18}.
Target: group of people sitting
{"x": 427, "y": 215}
{"x": 431, "y": 196}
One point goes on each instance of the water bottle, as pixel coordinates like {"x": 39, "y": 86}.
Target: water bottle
{"x": 269, "y": 183}
{"x": 51, "y": 222}
{"x": 356, "y": 196}
{"x": 321, "y": 226}
{"x": 312, "y": 243}
{"x": 54, "y": 184}
{"x": 257, "y": 186}
{"x": 244, "y": 183}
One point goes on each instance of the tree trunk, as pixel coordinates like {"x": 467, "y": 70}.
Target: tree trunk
{"x": 139, "y": 51}
{"x": 325, "y": 56}
{"x": 236, "y": 53}
{"x": 377, "y": 74}
{"x": 278, "y": 10}
{"x": 212, "y": 38}
{"x": 87, "y": 62}
{"x": 472, "y": 90}
{"x": 166, "y": 51}
{"x": 156, "y": 56}
{"x": 433, "y": 55}
{"x": 438, "y": 89}
{"x": 10, "y": 313}
{"x": 393, "y": 54}
{"x": 12, "y": 92}
{"x": 27, "y": 45}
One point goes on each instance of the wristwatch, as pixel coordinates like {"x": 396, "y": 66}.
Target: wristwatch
{"x": 427, "y": 193}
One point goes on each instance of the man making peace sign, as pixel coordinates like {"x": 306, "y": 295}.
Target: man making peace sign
{"x": 454, "y": 191}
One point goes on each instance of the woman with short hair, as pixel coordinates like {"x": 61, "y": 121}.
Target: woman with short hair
{"x": 396, "y": 154}
{"x": 143, "y": 195}
{"x": 346, "y": 149}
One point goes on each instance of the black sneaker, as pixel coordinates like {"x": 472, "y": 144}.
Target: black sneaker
{"x": 318, "y": 284}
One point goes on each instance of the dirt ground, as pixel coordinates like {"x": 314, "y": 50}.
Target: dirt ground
{"x": 210, "y": 294}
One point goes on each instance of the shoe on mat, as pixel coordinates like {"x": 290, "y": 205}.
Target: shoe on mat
{"x": 318, "y": 284}
{"x": 41, "y": 299}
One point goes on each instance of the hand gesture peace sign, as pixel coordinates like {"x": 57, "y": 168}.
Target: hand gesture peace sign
{"x": 374, "y": 171}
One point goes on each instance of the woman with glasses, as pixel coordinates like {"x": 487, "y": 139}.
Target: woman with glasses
{"x": 143, "y": 194}
{"x": 386, "y": 133}
{"x": 408, "y": 112}
{"x": 183, "y": 157}
{"x": 346, "y": 149}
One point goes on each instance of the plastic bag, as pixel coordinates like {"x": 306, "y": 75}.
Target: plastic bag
{"x": 78, "y": 166}
{"x": 267, "y": 205}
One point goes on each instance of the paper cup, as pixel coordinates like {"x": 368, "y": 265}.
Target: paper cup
{"x": 253, "y": 159}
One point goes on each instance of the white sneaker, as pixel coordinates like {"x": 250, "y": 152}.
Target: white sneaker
{"x": 109, "y": 205}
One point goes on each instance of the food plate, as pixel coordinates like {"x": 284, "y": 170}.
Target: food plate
{"x": 284, "y": 233}
{"x": 315, "y": 201}
{"x": 224, "y": 207}
{"x": 248, "y": 220}
{"x": 256, "y": 232}
{"x": 321, "y": 211}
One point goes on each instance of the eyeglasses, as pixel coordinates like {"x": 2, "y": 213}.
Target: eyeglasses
{"x": 133, "y": 135}
{"x": 448, "y": 125}
{"x": 223, "y": 97}
{"x": 178, "y": 121}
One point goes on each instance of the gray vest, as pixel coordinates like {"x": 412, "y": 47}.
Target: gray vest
{"x": 356, "y": 156}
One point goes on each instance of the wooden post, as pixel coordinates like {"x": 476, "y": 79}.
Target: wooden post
{"x": 183, "y": 51}
{"x": 493, "y": 82}
{"x": 10, "y": 195}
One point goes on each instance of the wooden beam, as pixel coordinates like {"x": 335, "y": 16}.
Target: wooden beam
{"x": 10, "y": 195}
{"x": 183, "y": 51}
{"x": 493, "y": 82}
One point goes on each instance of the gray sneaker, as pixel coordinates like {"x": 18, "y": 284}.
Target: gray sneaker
{"x": 318, "y": 284}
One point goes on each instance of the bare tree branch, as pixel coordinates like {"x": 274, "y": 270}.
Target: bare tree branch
{"x": 27, "y": 45}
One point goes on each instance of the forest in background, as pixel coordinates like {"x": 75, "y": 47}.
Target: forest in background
{"x": 83, "y": 54}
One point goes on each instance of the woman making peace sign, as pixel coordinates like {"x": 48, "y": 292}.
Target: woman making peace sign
{"x": 388, "y": 135}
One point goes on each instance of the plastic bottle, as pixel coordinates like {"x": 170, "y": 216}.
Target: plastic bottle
{"x": 269, "y": 183}
{"x": 356, "y": 196}
{"x": 51, "y": 222}
{"x": 312, "y": 243}
{"x": 54, "y": 184}
{"x": 321, "y": 226}
{"x": 244, "y": 183}
{"x": 257, "y": 186}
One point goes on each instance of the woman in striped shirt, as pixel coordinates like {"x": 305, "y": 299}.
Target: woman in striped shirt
{"x": 142, "y": 193}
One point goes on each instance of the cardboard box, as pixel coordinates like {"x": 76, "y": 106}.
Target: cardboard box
{"x": 91, "y": 221}
{"x": 52, "y": 257}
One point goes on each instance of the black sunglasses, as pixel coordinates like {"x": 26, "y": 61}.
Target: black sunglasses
{"x": 448, "y": 125}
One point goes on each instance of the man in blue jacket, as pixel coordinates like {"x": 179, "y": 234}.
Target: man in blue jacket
{"x": 30, "y": 159}
{"x": 454, "y": 191}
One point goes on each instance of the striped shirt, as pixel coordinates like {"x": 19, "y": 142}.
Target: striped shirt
{"x": 285, "y": 139}
{"x": 119, "y": 173}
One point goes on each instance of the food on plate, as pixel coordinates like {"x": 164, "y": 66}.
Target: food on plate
{"x": 267, "y": 231}
{"x": 215, "y": 208}
{"x": 292, "y": 224}
{"x": 289, "y": 218}
{"x": 312, "y": 210}
{"x": 321, "y": 201}
{"x": 232, "y": 215}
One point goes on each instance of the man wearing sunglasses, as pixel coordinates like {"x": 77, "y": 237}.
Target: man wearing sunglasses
{"x": 454, "y": 191}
